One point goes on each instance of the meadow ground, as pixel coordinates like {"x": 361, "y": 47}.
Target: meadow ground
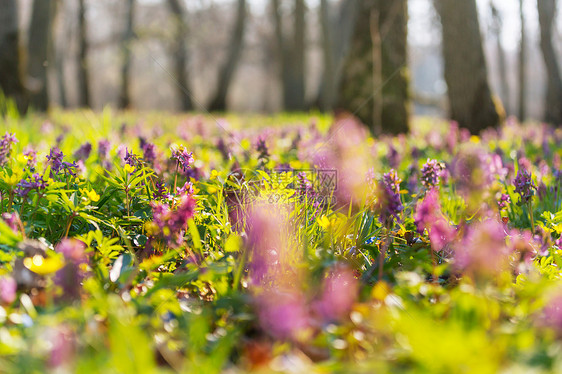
{"x": 150, "y": 242}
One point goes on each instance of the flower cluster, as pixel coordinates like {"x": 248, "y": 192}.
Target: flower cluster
{"x": 55, "y": 158}
{"x": 183, "y": 158}
{"x": 31, "y": 156}
{"x": 431, "y": 172}
{"x": 160, "y": 191}
{"x": 6, "y": 143}
{"x": 34, "y": 182}
{"x": 388, "y": 203}
{"x": 524, "y": 186}
{"x": 428, "y": 216}
{"x": 131, "y": 159}
{"x": 70, "y": 276}
{"x": 261, "y": 147}
{"x": 170, "y": 223}
{"x": 83, "y": 152}
{"x": 503, "y": 201}
{"x": 483, "y": 252}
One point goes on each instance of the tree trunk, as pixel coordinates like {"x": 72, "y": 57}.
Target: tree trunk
{"x": 470, "y": 98}
{"x": 38, "y": 46}
{"x": 218, "y": 103}
{"x": 375, "y": 79}
{"x": 292, "y": 56}
{"x": 179, "y": 51}
{"x": 10, "y": 74}
{"x": 339, "y": 45}
{"x": 553, "y": 103}
{"x": 83, "y": 69}
{"x": 126, "y": 46}
{"x": 522, "y": 68}
{"x": 328, "y": 83}
{"x": 497, "y": 29}
{"x": 60, "y": 46}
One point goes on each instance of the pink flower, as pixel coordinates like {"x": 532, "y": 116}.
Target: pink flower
{"x": 483, "y": 251}
{"x": 340, "y": 290}
{"x": 283, "y": 314}
{"x": 8, "y": 289}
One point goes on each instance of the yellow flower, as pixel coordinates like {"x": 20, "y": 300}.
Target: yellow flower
{"x": 129, "y": 169}
{"x": 323, "y": 222}
{"x": 92, "y": 195}
{"x": 214, "y": 174}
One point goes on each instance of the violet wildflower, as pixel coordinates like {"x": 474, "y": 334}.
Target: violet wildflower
{"x": 261, "y": 147}
{"x": 12, "y": 220}
{"x": 55, "y": 158}
{"x": 6, "y": 143}
{"x": 504, "y": 201}
{"x": 31, "y": 156}
{"x": 63, "y": 348}
{"x": 70, "y": 276}
{"x": 149, "y": 153}
{"x": 223, "y": 149}
{"x": 183, "y": 158}
{"x": 393, "y": 157}
{"x": 283, "y": 315}
{"x": 186, "y": 189}
{"x": 426, "y": 211}
{"x": 524, "y": 186}
{"x": 83, "y": 152}
{"x": 483, "y": 253}
{"x": 131, "y": 158}
{"x": 169, "y": 222}
{"x": 34, "y": 182}
{"x": 428, "y": 216}
{"x": 103, "y": 149}
{"x": 340, "y": 290}
{"x": 388, "y": 202}
{"x": 430, "y": 173}
{"x": 160, "y": 192}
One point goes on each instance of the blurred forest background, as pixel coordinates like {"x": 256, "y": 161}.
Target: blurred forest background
{"x": 475, "y": 61}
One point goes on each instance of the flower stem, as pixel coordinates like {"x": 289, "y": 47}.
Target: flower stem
{"x": 530, "y": 208}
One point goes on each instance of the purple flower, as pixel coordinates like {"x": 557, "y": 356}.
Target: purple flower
{"x": 504, "y": 201}
{"x": 470, "y": 173}
{"x": 12, "y": 220}
{"x": 63, "y": 347}
{"x": 388, "y": 203}
{"x": 55, "y": 159}
{"x": 8, "y": 287}
{"x": 149, "y": 153}
{"x": 171, "y": 222}
{"x": 31, "y": 158}
{"x": 6, "y": 143}
{"x": 35, "y": 182}
{"x": 426, "y": 211}
{"x": 428, "y": 216}
{"x": 340, "y": 289}
{"x": 70, "y": 276}
{"x": 282, "y": 314}
{"x": 524, "y": 186}
{"x": 261, "y": 147}
{"x": 183, "y": 158}
{"x": 103, "y": 149}
{"x": 83, "y": 152}
{"x": 131, "y": 158}
{"x": 161, "y": 192}
{"x": 393, "y": 157}
{"x": 223, "y": 149}
{"x": 483, "y": 252}
{"x": 430, "y": 173}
